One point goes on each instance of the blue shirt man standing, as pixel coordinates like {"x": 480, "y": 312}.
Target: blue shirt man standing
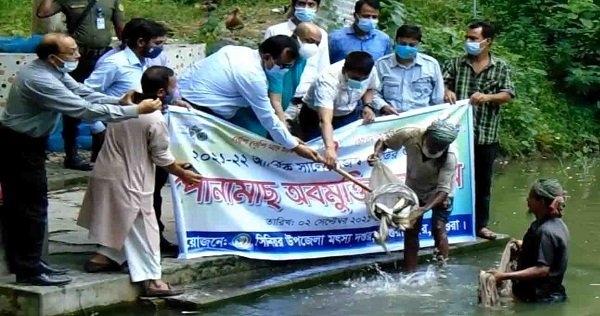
{"x": 362, "y": 35}
{"x": 409, "y": 78}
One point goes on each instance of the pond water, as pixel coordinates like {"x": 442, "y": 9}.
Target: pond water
{"x": 451, "y": 290}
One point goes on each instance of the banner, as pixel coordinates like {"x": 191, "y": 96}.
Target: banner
{"x": 259, "y": 200}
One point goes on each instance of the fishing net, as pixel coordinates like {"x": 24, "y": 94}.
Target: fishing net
{"x": 491, "y": 293}
{"x": 391, "y": 202}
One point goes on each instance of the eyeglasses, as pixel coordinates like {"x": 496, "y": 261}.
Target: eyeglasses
{"x": 285, "y": 66}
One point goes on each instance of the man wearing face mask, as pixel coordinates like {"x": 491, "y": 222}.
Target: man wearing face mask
{"x": 486, "y": 80}
{"x": 117, "y": 207}
{"x": 88, "y": 22}
{"x": 409, "y": 78}
{"x": 232, "y": 84}
{"x": 362, "y": 35}
{"x": 431, "y": 173}
{"x": 42, "y": 91}
{"x": 316, "y": 52}
{"x": 122, "y": 71}
{"x": 283, "y": 88}
{"x": 331, "y": 101}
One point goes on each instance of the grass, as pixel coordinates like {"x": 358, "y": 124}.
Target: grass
{"x": 187, "y": 19}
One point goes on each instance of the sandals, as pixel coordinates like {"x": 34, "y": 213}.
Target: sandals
{"x": 148, "y": 292}
{"x": 486, "y": 233}
{"x": 95, "y": 267}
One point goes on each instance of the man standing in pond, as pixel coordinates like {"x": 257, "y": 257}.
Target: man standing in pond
{"x": 543, "y": 252}
{"x": 431, "y": 173}
{"x": 486, "y": 80}
{"x": 362, "y": 35}
{"x": 88, "y": 22}
{"x": 409, "y": 78}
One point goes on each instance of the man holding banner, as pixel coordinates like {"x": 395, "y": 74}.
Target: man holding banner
{"x": 430, "y": 172}
{"x": 331, "y": 101}
{"x": 486, "y": 80}
{"x": 232, "y": 84}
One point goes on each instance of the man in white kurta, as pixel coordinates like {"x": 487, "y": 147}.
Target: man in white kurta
{"x": 117, "y": 207}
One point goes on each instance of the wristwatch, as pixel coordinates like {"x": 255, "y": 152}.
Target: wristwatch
{"x": 369, "y": 105}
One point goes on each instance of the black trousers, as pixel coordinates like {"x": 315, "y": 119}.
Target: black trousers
{"x": 70, "y": 130}
{"x": 484, "y": 170}
{"x": 25, "y": 211}
{"x": 159, "y": 182}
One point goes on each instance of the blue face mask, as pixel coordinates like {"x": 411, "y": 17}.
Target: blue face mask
{"x": 153, "y": 52}
{"x": 67, "y": 66}
{"x": 357, "y": 84}
{"x": 406, "y": 52}
{"x": 277, "y": 71}
{"x": 305, "y": 14}
{"x": 366, "y": 24}
{"x": 473, "y": 48}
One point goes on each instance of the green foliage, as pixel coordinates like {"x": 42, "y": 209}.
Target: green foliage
{"x": 541, "y": 119}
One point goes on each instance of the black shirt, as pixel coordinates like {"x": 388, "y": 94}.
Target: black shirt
{"x": 544, "y": 244}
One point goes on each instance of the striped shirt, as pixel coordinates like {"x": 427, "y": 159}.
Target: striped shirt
{"x": 460, "y": 77}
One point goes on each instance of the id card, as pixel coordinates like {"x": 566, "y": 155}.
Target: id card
{"x": 100, "y": 23}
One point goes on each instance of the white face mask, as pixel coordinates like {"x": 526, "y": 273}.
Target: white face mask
{"x": 307, "y": 50}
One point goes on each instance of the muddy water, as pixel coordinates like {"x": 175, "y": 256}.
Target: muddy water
{"x": 452, "y": 290}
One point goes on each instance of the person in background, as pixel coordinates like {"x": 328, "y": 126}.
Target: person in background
{"x": 116, "y": 206}
{"x": 302, "y": 11}
{"x": 283, "y": 88}
{"x": 331, "y": 101}
{"x": 91, "y": 28}
{"x": 544, "y": 251}
{"x": 362, "y": 35}
{"x": 42, "y": 91}
{"x": 235, "y": 78}
{"x": 409, "y": 78}
{"x": 430, "y": 172}
{"x": 486, "y": 81}
{"x": 122, "y": 71}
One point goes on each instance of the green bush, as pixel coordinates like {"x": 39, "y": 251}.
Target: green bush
{"x": 542, "y": 119}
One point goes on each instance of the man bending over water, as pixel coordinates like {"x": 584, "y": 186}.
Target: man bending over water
{"x": 544, "y": 249}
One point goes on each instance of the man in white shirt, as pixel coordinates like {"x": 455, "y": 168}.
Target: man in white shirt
{"x": 234, "y": 79}
{"x": 331, "y": 101}
{"x": 303, "y": 11}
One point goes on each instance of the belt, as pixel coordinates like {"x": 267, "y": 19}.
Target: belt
{"x": 93, "y": 52}
{"x": 201, "y": 108}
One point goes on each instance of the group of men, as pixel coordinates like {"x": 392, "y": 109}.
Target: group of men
{"x": 299, "y": 84}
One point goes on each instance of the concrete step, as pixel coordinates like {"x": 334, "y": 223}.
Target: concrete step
{"x": 207, "y": 280}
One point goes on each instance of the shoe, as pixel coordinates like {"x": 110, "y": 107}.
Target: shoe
{"x": 148, "y": 292}
{"x": 46, "y": 269}
{"x": 95, "y": 267}
{"x": 77, "y": 163}
{"x": 45, "y": 280}
{"x": 167, "y": 248}
{"x": 486, "y": 233}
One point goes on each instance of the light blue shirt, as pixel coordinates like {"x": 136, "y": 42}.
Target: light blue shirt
{"x": 41, "y": 93}
{"x": 344, "y": 41}
{"x": 417, "y": 85}
{"x": 231, "y": 79}
{"x": 117, "y": 74}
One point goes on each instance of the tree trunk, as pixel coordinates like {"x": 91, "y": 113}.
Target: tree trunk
{"x": 55, "y": 23}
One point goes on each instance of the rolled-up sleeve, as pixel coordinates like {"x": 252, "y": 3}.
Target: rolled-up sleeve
{"x": 158, "y": 140}
{"x": 254, "y": 91}
{"x": 399, "y": 138}
{"x": 56, "y": 96}
{"x": 447, "y": 174}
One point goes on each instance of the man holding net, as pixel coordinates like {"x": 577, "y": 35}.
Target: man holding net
{"x": 430, "y": 173}
{"x": 543, "y": 252}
